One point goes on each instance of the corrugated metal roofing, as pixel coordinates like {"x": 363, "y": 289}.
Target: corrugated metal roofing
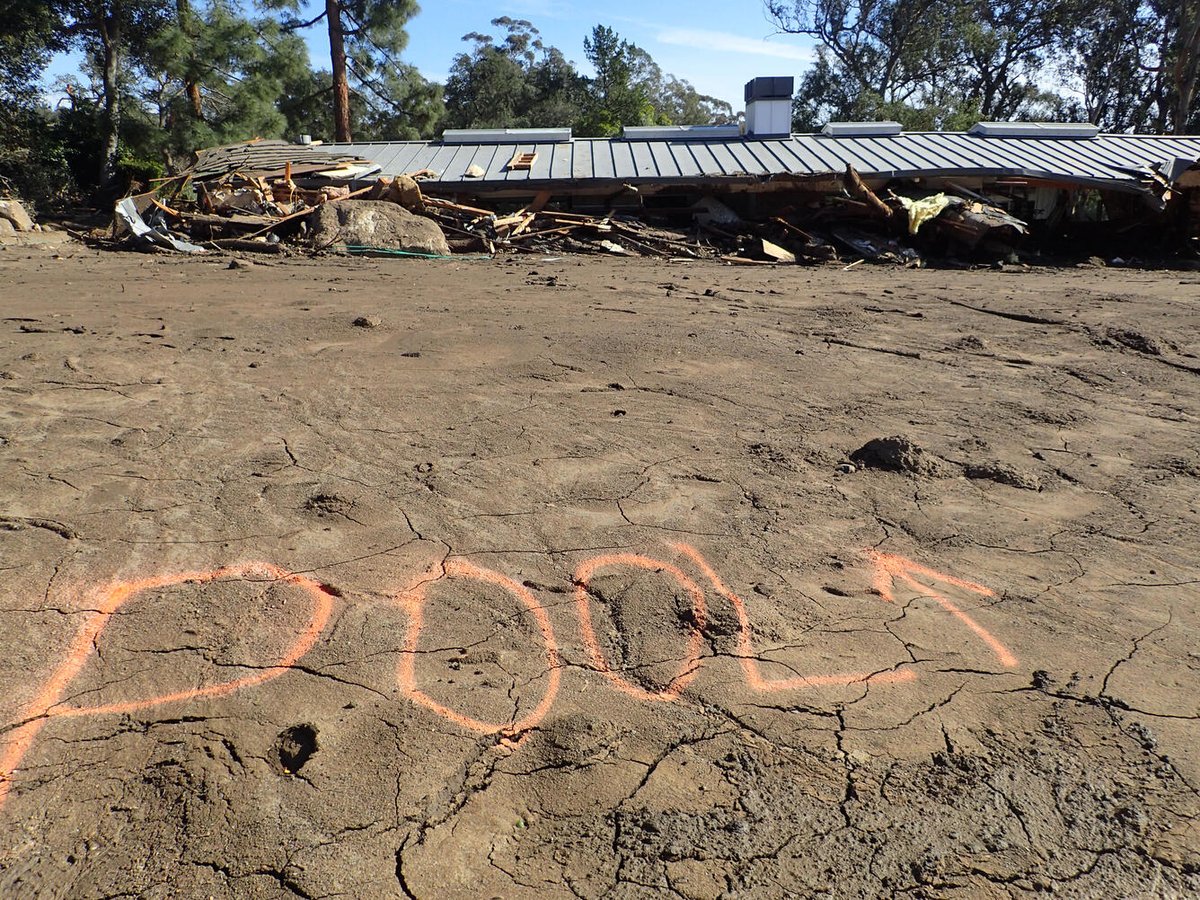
{"x": 1104, "y": 159}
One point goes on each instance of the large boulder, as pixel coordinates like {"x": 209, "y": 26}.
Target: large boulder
{"x": 14, "y": 212}
{"x": 376, "y": 223}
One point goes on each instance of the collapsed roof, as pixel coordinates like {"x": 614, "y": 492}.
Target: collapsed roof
{"x": 512, "y": 162}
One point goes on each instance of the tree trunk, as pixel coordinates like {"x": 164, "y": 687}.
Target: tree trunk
{"x": 191, "y": 86}
{"x": 193, "y": 93}
{"x": 1187, "y": 64}
{"x": 337, "y": 55}
{"x": 110, "y": 34}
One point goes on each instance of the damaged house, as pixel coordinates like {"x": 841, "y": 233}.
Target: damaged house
{"x": 860, "y": 189}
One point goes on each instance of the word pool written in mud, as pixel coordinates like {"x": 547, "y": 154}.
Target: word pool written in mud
{"x": 888, "y": 570}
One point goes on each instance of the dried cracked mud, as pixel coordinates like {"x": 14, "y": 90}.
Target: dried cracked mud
{"x": 583, "y": 578}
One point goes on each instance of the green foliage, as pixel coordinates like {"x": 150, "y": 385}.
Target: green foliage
{"x": 518, "y": 82}
{"x": 614, "y": 97}
{"x": 405, "y": 107}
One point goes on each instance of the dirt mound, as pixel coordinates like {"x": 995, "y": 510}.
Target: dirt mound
{"x": 897, "y": 454}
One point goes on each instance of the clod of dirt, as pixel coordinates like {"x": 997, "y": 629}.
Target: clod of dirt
{"x": 294, "y": 747}
{"x": 1134, "y": 340}
{"x": 897, "y": 454}
{"x": 367, "y": 322}
{"x": 1002, "y": 473}
{"x": 239, "y": 264}
{"x": 328, "y": 505}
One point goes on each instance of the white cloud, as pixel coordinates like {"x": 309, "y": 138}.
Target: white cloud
{"x": 721, "y": 42}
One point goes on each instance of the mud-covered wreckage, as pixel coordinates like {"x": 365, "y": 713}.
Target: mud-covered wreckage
{"x": 752, "y": 192}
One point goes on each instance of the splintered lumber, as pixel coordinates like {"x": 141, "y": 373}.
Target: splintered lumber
{"x": 644, "y": 247}
{"x": 743, "y": 261}
{"x": 788, "y": 226}
{"x": 569, "y": 216}
{"x": 514, "y": 219}
{"x": 170, "y": 212}
{"x": 439, "y": 203}
{"x": 774, "y": 252}
{"x": 523, "y": 225}
{"x": 306, "y": 211}
{"x": 546, "y": 232}
{"x": 855, "y": 185}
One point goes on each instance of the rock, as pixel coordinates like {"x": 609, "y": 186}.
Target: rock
{"x": 376, "y": 223}
{"x": 14, "y": 212}
{"x": 407, "y": 193}
{"x": 897, "y": 454}
{"x": 711, "y": 211}
{"x": 7, "y": 227}
{"x": 367, "y": 322}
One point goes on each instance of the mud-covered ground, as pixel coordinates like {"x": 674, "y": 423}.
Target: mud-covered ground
{"x": 563, "y": 578}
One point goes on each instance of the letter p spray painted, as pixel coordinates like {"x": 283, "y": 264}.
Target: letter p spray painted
{"x": 48, "y": 704}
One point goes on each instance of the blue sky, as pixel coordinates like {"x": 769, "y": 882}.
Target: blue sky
{"x": 717, "y": 46}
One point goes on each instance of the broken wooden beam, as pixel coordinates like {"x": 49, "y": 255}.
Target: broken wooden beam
{"x": 856, "y": 186}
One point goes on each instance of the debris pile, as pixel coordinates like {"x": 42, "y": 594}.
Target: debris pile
{"x": 533, "y": 228}
{"x": 271, "y": 196}
{"x": 248, "y": 197}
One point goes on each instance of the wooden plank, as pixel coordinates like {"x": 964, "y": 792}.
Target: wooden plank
{"x": 547, "y": 232}
{"x": 246, "y": 222}
{"x": 525, "y": 223}
{"x": 457, "y": 207}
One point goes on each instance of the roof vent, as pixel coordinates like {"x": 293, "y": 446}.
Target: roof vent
{"x": 1057, "y": 130}
{"x": 506, "y": 135}
{"x": 769, "y": 107}
{"x": 679, "y": 132}
{"x": 862, "y": 129}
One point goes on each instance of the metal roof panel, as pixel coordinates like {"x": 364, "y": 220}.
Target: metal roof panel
{"x": 1107, "y": 157}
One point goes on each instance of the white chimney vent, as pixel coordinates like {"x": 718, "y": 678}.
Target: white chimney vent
{"x": 769, "y": 106}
